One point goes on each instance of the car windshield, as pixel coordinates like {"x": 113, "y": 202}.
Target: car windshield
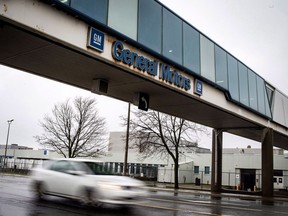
{"x": 98, "y": 168}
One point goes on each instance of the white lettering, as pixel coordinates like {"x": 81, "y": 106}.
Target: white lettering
{"x": 97, "y": 39}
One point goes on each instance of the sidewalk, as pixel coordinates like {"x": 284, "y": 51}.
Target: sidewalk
{"x": 181, "y": 186}
{"x": 205, "y": 189}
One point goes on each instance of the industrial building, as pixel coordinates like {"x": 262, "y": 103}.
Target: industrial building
{"x": 241, "y": 166}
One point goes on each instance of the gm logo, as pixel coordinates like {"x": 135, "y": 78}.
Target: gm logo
{"x": 198, "y": 87}
{"x": 96, "y": 39}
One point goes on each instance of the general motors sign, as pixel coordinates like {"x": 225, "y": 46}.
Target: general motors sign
{"x": 96, "y": 39}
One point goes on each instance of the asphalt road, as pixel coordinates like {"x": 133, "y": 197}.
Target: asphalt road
{"x": 16, "y": 199}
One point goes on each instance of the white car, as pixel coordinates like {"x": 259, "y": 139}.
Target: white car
{"x": 85, "y": 181}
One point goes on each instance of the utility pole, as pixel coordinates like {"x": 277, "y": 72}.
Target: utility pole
{"x": 127, "y": 142}
{"x": 9, "y": 123}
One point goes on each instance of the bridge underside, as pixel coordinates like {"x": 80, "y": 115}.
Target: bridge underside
{"x": 28, "y": 52}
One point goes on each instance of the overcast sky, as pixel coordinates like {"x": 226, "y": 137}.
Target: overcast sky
{"x": 255, "y": 32}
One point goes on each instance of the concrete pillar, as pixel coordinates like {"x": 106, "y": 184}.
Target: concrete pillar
{"x": 267, "y": 163}
{"x": 216, "y": 175}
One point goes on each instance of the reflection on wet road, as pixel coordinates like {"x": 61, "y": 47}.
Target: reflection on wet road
{"x": 17, "y": 199}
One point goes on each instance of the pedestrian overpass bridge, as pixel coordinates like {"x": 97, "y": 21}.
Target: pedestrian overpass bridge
{"x": 131, "y": 47}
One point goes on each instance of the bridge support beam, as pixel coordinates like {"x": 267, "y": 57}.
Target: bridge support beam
{"x": 216, "y": 175}
{"x": 267, "y": 163}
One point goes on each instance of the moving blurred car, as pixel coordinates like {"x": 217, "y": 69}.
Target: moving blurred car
{"x": 86, "y": 181}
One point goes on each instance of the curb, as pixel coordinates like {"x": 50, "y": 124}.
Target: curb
{"x": 208, "y": 192}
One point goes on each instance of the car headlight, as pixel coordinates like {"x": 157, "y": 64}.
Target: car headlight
{"x": 110, "y": 187}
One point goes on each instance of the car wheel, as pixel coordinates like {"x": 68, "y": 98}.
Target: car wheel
{"x": 39, "y": 189}
{"x": 87, "y": 197}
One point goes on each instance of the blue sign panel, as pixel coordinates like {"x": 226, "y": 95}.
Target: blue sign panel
{"x": 198, "y": 87}
{"x": 96, "y": 39}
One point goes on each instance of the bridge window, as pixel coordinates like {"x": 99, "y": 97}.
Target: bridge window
{"x": 243, "y": 84}
{"x": 261, "y": 95}
{"x": 252, "y": 90}
{"x": 270, "y": 91}
{"x": 221, "y": 67}
{"x": 150, "y": 27}
{"x": 96, "y": 10}
{"x": 172, "y": 36}
{"x": 122, "y": 16}
{"x": 263, "y": 98}
{"x": 233, "y": 83}
{"x": 159, "y": 29}
{"x": 191, "y": 48}
{"x": 267, "y": 105}
{"x": 207, "y": 58}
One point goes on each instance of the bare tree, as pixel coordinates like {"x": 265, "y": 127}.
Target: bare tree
{"x": 158, "y": 134}
{"x": 74, "y": 129}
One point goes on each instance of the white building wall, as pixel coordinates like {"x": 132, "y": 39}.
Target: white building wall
{"x": 165, "y": 174}
{"x": 202, "y": 161}
{"x": 280, "y": 162}
{"x": 116, "y": 142}
{"x": 41, "y": 154}
{"x": 285, "y": 179}
{"x": 231, "y": 169}
{"x": 185, "y": 172}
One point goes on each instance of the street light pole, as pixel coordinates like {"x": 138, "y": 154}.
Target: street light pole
{"x": 127, "y": 142}
{"x": 9, "y": 123}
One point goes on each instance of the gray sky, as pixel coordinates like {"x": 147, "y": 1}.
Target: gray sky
{"x": 255, "y": 32}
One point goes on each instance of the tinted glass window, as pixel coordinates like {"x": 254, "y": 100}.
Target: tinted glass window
{"x": 261, "y": 95}
{"x": 121, "y": 167}
{"x": 122, "y": 16}
{"x": 233, "y": 78}
{"x": 221, "y": 67}
{"x": 207, "y": 58}
{"x": 172, "y": 36}
{"x": 196, "y": 169}
{"x": 138, "y": 169}
{"x": 116, "y": 168}
{"x": 98, "y": 168}
{"x": 252, "y": 90}
{"x": 267, "y": 105}
{"x": 270, "y": 92}
{"x": 144, "y": 168}
{"x": 61, "y": 166}
{"x": 191, "y": 48}
{"x": 243, "y": 84}
{"x": 150, "y": 26}
{"x": 132, "y": 168}
{"x": 278, "y": 173}
{"x": 207, "y": 170}
{"x": 82, "y": 167}
{"x": 97, "y": 10}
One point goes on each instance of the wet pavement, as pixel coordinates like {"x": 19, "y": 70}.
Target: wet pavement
{"x": 17, "y": 199}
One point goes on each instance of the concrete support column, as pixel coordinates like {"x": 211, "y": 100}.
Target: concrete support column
{"x": 216, "y": 175}
{"x": 267, "y": 163}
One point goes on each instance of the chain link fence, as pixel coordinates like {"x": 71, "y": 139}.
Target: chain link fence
{"x": 19, "y": 166}
{"x": 241, "y": 180}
